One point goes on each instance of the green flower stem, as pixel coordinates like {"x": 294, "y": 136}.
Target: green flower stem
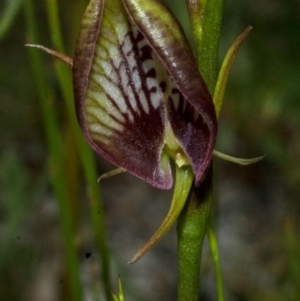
{"x": 191, "y": 229}
{"x": 85, "y": 153}
{"x": 57, "y": 175}
{"x": 205, "y": 18}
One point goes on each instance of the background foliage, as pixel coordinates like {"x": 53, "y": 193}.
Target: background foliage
{"x": 256, "y": 211}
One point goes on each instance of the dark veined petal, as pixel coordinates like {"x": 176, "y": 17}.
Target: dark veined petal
{"x": 127, "y": 105}
{"x": 192, "y": 115}
{"x": 118, "y": 87}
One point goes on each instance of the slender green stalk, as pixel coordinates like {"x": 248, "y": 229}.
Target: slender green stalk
{"x": 215, "y": 254}
{"x": 85, "y": 153}
{"x": 205, "y": 18}
{"x": 56, "y": 158}
{"x": 191, "y": 230}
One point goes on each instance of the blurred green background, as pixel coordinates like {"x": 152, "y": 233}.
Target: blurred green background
{"x": 257, "y": 208}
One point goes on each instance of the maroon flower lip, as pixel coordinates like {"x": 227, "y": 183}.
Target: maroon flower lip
{"x": 139, "y": 96}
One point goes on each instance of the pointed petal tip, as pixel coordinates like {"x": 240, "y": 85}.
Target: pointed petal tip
{"x": 239, "y": 161}
{"x": 135, "y": 258}
{"x": 65, "y": 59}
{"x": 225, "y": 69}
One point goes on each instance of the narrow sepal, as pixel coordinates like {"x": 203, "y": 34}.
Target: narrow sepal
{"x": 240, "y": 161}
{"x": 111, "y": 173}
{"x": 225, "y": 69}
{"x": 65, "y": 59}
{"x": 184, "y": 180}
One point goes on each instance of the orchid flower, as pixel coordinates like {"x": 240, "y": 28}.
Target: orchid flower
{"x": 140, "y": 99}
{"x": 139, "y": 96}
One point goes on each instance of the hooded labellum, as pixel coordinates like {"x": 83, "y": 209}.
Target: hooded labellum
{"x": 138, "y": 94}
